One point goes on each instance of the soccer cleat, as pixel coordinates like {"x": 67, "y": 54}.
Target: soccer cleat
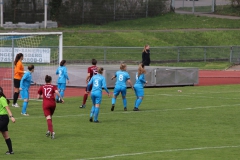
{"x": 48, "y": 134}
{"x": 9, "y": 152}
{"x": 91, "y": 119}
{"x": 82, "y": 106}
{"x": 15, "y": 105}
{"x": 112, "y": 109}
{"x": 25, "y": 114}
{"x": 53, "y": 135}
{"x": 57, "y": 101}
{"x": 135, "y": 109}
{"x": 96, "y": 121}
{"x": 125, "y": 108}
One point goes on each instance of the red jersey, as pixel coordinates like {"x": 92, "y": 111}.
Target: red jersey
{"x": 48, "y": 91}
{"x": 93, "y": 70}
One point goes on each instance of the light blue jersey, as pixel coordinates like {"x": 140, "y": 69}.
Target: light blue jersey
{"x": 26, "y": 81}
{"x": 140, "y": 80}
{"x": 62, "y": 74}
{"x": 98, "y": 82}
{"x": 121, "y": 78}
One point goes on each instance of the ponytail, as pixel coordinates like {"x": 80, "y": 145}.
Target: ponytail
{"x": 144, "y": 49}
{"x": 17, "y": 58}
{"x": 141, "y": 69}
{"x": 2, "y": 95}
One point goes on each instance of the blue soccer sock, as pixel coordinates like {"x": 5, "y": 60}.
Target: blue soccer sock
{"x": 124, "y": 102}
{"x": 138, "y": 102}
{"x": 135, "y": 102}
{"x": 62, "y": 93}
{"x": 24, "y": 107}
{"x": 92, "y": 111}
{"x": 96, "y": 112}
{"x": 113, "y": 101}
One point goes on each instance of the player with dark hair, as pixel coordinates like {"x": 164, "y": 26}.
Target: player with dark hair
{"x": 24, "y": 87}
{"x": 47, "y": 91}
{"x": 18, "y": 74}
{"x": 62, "y": 78}
{"x": 93, "y": 70}
{"x": 139, "y": 86}
{"x": 120, "y": 86}
{"x": 4, "y": 120}
{"x": 97, "y": 82}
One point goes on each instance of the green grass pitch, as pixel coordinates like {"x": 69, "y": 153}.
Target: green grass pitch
{"x": 198, "y": 123}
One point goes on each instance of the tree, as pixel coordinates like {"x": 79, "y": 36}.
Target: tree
{"x": 55, "y": 8}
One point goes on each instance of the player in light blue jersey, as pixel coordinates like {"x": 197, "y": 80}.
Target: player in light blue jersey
{"x": 139, "y": 86}
{"x": 120, "y": 86}
{"x": 62, "y": 78}
{"x": 24, "y": 87}
{"x": 98, "y": 82}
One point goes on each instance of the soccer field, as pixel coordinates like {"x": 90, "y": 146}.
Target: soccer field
{"x": 198, "y": 123}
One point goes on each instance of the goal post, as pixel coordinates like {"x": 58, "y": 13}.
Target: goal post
{"x": 42, "y": 49}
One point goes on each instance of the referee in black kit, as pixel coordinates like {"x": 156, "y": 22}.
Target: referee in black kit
{"x": 4, "y": 120}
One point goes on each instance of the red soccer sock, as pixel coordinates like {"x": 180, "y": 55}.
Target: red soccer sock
{"x": 50, "y": 126}
{"x": 85, "y": 98}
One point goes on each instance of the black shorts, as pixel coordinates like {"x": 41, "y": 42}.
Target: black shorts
{"x": 16, "y": 83}
{"x": 4, "y": 120}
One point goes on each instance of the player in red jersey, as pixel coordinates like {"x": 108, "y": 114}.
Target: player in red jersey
{"x": 47, "y": 91}
{"x": 93, "y": 70}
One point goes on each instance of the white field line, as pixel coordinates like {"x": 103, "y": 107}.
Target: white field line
{"x": 160, "y": 151}
{"x": 145, "y": 111}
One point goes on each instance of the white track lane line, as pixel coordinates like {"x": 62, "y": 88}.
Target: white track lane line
{"x": 143, "y": 111}
{"x": 161, "y": 151}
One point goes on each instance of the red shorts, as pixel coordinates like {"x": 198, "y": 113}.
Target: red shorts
{"x": 48, "y": 110}
{"x": 89, "y": 88}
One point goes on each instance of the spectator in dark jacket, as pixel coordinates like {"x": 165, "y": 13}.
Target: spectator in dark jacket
{"x": 146, "y": 55}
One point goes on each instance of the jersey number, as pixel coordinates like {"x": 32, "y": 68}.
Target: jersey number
{"x": 96, "y": 83}
{"x": 47, "y": 92}
{"x": 120, "y": 77}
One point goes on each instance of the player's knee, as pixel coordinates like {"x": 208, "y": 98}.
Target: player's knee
{"x": 48, "y": 117}
{"x": 25, "y": 100}
{"x": 140, "y": 97}
{"x": 123, "y": 97}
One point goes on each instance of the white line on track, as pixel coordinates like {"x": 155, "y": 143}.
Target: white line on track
{"x": 161, "y": 151}
{"x": 144, "y": 111}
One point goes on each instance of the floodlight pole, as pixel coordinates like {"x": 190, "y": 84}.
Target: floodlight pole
{"x": 45, "y": 13}
{"x": 1, "y": 8}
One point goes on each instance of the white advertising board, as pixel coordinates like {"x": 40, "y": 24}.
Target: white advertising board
{"x": 30, "y": 55}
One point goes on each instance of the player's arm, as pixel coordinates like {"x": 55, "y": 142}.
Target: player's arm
{"x": 57, "y": 72}
{"x": 58, "y": 94}
{"x": 104, "y": 86}
{"x": 22, "y": 81}
{"x": 18, "y": 68}
{"x": 130, "y": 83}
{"x": 142, "y": 79}
{"x": 66, "y": 75}
{"x": 88, "y": 77}
{"x": 39, "y": 93}
{"x": 89, "y": 84}
{"x": 114, "y": 76}
{"x": 5, "y": 103}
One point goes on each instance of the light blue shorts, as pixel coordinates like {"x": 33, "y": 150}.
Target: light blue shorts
{"x": 96, "y": 97}
{"x": 24, "y": 94}
{"x": 120, "y": 89}
{"x": 139, "y": 91}
{"x": 62, "y": 86}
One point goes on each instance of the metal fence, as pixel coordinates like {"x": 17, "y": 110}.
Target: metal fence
{"x": 75, "y": 12}
{"x": 133, "y": 55}
{"x": 206, "y": 6}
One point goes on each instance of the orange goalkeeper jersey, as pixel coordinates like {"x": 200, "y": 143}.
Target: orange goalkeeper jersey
{"x": 18, "y": 70}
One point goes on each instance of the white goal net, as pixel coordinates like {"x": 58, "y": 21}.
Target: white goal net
{"x": 42, "y": 49}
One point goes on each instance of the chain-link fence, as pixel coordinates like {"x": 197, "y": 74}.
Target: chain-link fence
{"x": 133, "y": 55}
{"x": 75, "y": 12}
